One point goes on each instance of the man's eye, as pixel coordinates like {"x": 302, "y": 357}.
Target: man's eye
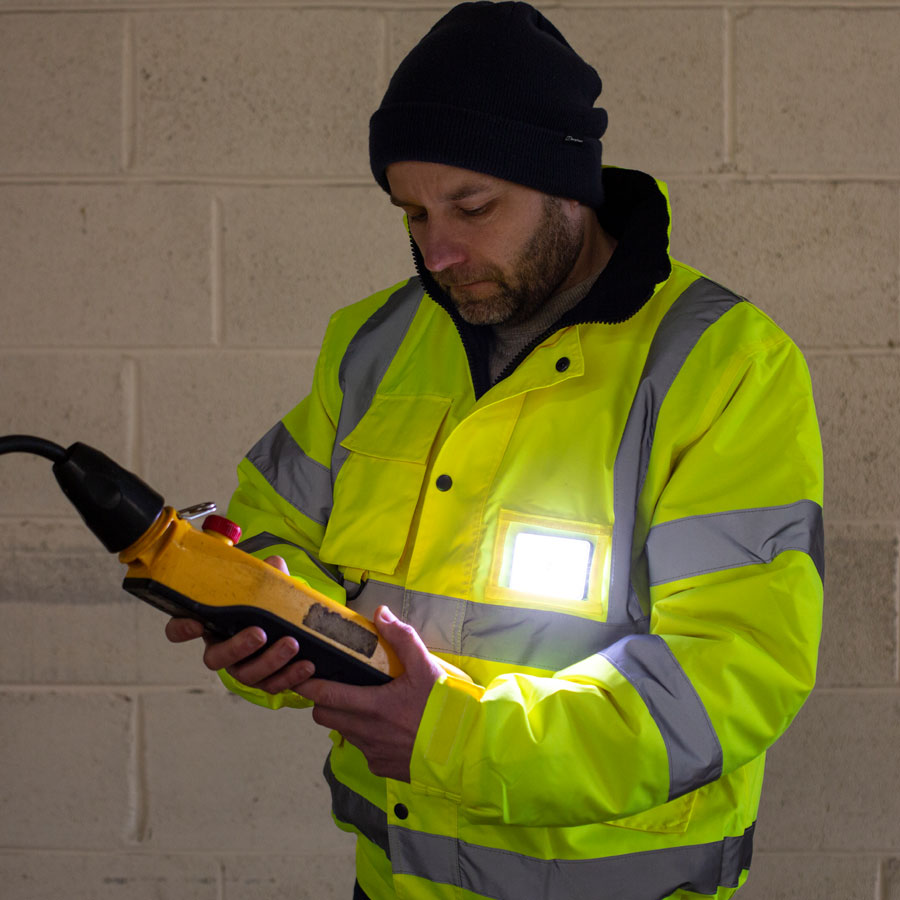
{"x": 416, "y": 217}
{"x": 477, "y": 211}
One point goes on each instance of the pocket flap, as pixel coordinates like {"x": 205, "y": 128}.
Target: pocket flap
{"x": 670, "y": 818}
{"x": 379, "y": 484}
{"x": 398, "y": 427}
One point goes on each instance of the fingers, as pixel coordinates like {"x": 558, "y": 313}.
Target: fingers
{"x": 233, "y": 650}
{"x": 291, "y": 678}
{"x": 258, "y": 671}
{"x": 179, "y": 630}
{"x": 378, "y": 721}
{"x": 336, "y": 695}
{"x": 382, "y": 722}
{"x": 278, "y": 563}
{"x": 274, "y": 670}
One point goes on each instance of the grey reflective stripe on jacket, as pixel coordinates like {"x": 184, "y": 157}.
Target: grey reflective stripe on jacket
{"x": 693, "y": 748}
{"x": 505, "y": 875}
{"x": 700, "y": 305}
{"x": 725, "y": 540}
{"x": 355, "y": 809}
{"x": 536, "y": 638}
{"x": 367, "y": 358}
{"x": 303, "y": 482}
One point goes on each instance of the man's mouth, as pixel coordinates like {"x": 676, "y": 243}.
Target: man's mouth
{"x": 463, "y": 283}
{"x": 472, "y": 291}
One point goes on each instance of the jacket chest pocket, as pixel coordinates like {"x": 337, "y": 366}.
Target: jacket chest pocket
{"x": 378, "y": 486}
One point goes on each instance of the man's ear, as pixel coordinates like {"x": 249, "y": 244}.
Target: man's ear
{"x": 574, "y": 210}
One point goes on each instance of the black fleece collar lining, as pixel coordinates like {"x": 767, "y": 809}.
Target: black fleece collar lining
{"x": 635, "y": 213}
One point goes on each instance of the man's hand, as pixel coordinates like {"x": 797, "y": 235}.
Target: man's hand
{"x": 269, "y": 671}
{"x": 381, "y": 721}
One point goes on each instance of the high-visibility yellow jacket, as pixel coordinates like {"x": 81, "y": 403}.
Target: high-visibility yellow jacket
{"x": 664, "y": 435}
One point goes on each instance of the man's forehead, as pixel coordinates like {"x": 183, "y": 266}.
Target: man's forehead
{"x": 442, "y": 182}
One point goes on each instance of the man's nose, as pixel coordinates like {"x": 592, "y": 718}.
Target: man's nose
{"x": 441, "y": 247}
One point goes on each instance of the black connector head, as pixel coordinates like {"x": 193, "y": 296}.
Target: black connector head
{"x": 114, "y": 503}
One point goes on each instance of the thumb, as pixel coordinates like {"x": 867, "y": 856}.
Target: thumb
{"x": 278, "y": 562}
{"x": 404, "y": 639}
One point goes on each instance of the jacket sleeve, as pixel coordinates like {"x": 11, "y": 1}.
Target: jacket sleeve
{"x": 282, "y": 501}
{"x": 731, "y": 574}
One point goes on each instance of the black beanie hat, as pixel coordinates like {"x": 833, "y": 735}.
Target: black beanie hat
{"x": 495, "y": 88}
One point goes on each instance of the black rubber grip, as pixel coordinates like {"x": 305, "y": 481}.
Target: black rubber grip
{"x": 224, "y": 621}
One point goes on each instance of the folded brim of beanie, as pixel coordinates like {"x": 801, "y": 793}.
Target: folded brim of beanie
{"x": 564, "y": 165}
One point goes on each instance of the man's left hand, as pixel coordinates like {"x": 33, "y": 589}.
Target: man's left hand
{"x": 381, "y": 721}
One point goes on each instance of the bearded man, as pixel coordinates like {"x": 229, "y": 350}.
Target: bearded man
{"x": 571, "y": 466}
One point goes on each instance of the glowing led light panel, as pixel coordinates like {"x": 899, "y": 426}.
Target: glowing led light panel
{"x": 550, "y": 566}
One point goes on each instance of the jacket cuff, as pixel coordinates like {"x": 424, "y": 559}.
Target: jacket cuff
{"x": 261, "y": 697}
{"x": 447, "y": 723}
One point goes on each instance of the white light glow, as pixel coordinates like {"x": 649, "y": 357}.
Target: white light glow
{"x": 550, "y": 566}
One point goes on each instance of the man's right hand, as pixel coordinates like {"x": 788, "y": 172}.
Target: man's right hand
{"x": 272, "y": 670}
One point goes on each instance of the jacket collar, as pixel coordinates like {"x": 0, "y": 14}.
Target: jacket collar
{"x": 635, "y": 212}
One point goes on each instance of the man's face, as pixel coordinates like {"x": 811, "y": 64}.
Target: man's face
{"x": 498, "y": 249}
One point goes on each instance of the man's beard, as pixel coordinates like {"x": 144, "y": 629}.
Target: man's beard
{"x": 543, "y": 265}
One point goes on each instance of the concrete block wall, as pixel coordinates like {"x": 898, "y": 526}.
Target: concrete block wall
{"x": 185, "y": 198}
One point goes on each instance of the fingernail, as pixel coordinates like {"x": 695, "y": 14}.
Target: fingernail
{"x": 254, "y": 640}
{"x": 386, "y": 615}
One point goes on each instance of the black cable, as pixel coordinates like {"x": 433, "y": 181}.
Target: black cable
{"x": 26, "y": 443}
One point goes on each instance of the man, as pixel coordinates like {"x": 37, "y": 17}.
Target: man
{"x": 573, "y": 467}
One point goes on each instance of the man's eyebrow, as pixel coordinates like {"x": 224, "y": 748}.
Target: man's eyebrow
{"x": 461, "y": 193}
{"x": 468, "y": 190}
